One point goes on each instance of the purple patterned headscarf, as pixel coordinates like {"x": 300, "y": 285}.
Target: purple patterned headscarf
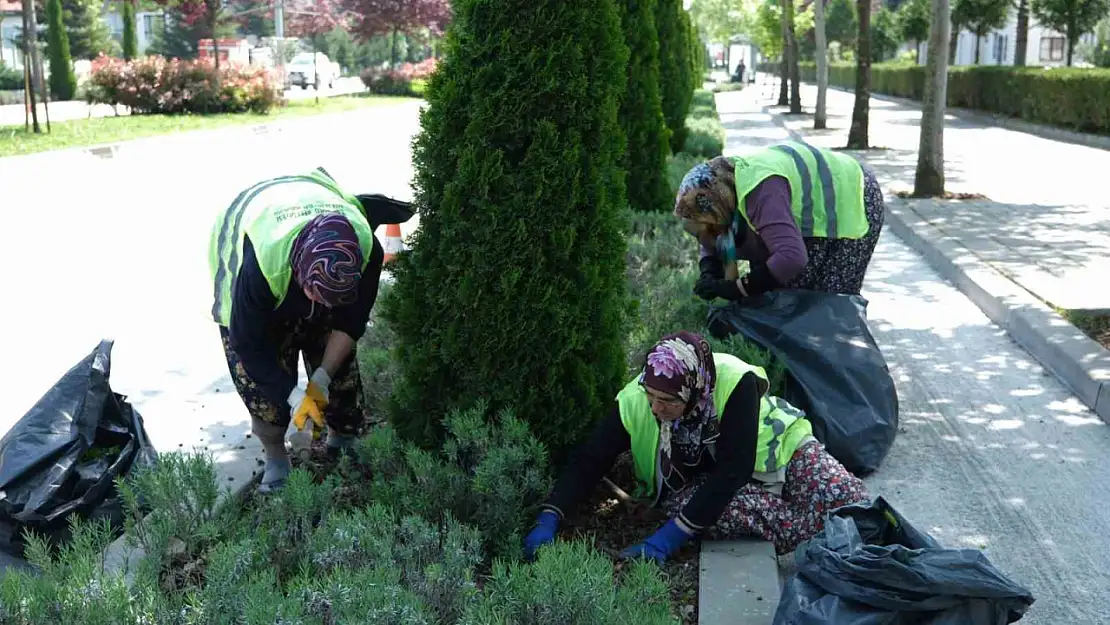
{"x": 681, "y": 364}
{"x": 327, "y": 259}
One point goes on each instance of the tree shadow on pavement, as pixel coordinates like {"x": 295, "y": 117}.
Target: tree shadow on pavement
{"x": 993, "y": 452}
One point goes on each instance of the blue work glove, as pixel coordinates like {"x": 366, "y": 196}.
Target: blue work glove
{"x": 547, "y": 523}
{"x": 667, "y": 540}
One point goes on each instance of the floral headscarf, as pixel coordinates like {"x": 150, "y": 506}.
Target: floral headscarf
{"x": 682, "y": 365}
{"x": 328, "y": 260}
{"x": 707, "y": 195}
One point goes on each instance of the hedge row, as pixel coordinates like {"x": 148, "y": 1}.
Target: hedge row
{"x": 1069, "y": 97}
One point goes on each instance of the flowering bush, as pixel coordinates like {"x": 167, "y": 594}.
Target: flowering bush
{"x": 397, "y": 81}
{"x": 154, "y": 84}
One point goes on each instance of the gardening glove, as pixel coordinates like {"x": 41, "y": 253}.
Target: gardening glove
{"x": 667, "y": 540}
{"x": 547, "y": 523}
{"x": 318, "y": 387}
{"x": 711, "y": 267}
{"x": 709, "y": 288}
{"x": 758, "y": 280}
{"x": 303, "y": 407}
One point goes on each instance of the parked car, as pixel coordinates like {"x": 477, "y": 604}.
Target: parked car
{"x": 301, "y": 72}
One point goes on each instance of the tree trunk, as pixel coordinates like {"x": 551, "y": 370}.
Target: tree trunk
{"x": 31, "y": 25}
{"x": 792, "y": 47}
{"x": 917, "y": 53}
{"x": 783, "y": 88}
{"x": 978, "y": 42}
{"x": 928, "y": 180}
{"x": 1071, "y": 44}
{"x": 1021, "y": 41}
{"x": 822, "y": 54}
{"x": 28, "y": 89}
{"x": 953, "y": 40}
{"x": 393, "y": 50}
{"x": 857, "y": 134}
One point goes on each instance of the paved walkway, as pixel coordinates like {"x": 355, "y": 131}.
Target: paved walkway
{"x": 1047, "y": 222}
{"x": 993, "y": 452}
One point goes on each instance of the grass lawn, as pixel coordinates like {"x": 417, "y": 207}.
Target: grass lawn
{"x": 15, "y": 140}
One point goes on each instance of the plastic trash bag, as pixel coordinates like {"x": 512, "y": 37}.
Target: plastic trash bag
{"x": 836, "y": 373}
{"x": 869, "y": 566}
{"x": 61, "y": 458}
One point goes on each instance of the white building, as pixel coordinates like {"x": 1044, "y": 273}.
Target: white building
{"x": 1044, "y": 48}
{"x": 11, "y": 24}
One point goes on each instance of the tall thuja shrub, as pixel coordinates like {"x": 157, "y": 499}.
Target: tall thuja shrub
{"x": 676, "y": 76}
{"x": 513, "y": 288}
{"x": 63, "y": 82}
{"x": 130, "y": 40}
{"x": 641, "y": 111}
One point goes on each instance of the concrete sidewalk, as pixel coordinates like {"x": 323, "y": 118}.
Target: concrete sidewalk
{"x": 1041, "y": 241}
{"x": 992, "y": 452}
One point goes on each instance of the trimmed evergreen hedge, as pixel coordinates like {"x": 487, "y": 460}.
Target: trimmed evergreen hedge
{"x": 513, "y": 289}
{"x": 1073, "y": 98}
{"x": 641, "y": 109}
{"x": 676, "y": 68}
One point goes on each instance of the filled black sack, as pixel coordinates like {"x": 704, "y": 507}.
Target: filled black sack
{"x": 869, "y": 566}
{"x": 63, "y": 456}
{"x": 836, "y": 373}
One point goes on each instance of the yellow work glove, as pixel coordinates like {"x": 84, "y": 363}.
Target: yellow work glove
{"x": 304, "y": 407}
{"x": 318, "y": 387}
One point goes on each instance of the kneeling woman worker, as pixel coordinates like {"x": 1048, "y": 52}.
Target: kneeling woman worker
{"x": 724, "y": 458}
{"x": 803, "y": 217}
{"x": 295, "y": 268}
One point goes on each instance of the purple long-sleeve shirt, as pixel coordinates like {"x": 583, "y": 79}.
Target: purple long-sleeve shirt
{"x": 778, "y": 241}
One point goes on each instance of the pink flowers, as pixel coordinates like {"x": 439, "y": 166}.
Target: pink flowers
{"x": 397, "y": 81}
{"x": 154, "y": 84}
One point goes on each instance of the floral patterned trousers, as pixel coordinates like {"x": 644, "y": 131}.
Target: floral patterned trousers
{"x": 816, "y": 484}
{"x": 344, "y": 412}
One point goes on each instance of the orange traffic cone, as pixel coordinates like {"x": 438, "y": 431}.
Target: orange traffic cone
{"x": 392, "y": 243}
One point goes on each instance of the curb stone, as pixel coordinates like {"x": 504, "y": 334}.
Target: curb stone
{"x": 1076, "y": 360}
{"x": 738, "y": 582}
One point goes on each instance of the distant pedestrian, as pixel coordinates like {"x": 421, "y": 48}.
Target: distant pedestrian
{"x": 803, "y": 217}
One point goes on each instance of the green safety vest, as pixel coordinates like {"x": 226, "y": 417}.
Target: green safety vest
{"x": 826, "y": 187}
{"x": 782, "y": 427}
{"x": 272, "y": 213}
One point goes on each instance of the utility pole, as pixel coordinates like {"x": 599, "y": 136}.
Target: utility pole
{"x": 279, "y": 31}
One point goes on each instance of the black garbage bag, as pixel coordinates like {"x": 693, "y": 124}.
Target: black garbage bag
{"x": 836, "y": 373}
{"x": 61, "y": 458}
{"x": 869, "y": 566}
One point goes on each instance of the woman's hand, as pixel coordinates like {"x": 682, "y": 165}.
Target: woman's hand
{"x": 709, "y": 288}
{"x": 662, "y": 544}
{"x": 547, "y": 523}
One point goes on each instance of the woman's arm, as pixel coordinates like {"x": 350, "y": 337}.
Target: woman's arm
{"x": 768, "y": 207}
{"x": 351, "y": 320}
{"x": 593, "y": 459}
{"x": 252, "y": 304}
{"x": 735, "y": 456}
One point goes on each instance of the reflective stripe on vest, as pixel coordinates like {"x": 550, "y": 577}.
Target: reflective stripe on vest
{"x": 230, "y": 230}
{"x": 838, "y": 210}
{"x": 782, "y": 427}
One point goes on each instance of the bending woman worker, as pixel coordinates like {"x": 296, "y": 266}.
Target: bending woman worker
{"x": 804, "y": 217}
{"x": 295, "y": 267}
{"x": 723, "y": 457}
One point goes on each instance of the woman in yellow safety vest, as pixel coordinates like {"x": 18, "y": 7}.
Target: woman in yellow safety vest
{"x": 295, "y": 268}
{"x": 803, "y": 217}
{"x": 723, "y": 457}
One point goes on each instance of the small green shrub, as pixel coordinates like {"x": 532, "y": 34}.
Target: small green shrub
{"x": 570, "y": 584}
{"x": 11, "y": 79}
{"x": 704, "y": 104}
{"x": 727, "y": 87}
{"x": 490, "y": 473}
{"x": 705, "y": 137}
